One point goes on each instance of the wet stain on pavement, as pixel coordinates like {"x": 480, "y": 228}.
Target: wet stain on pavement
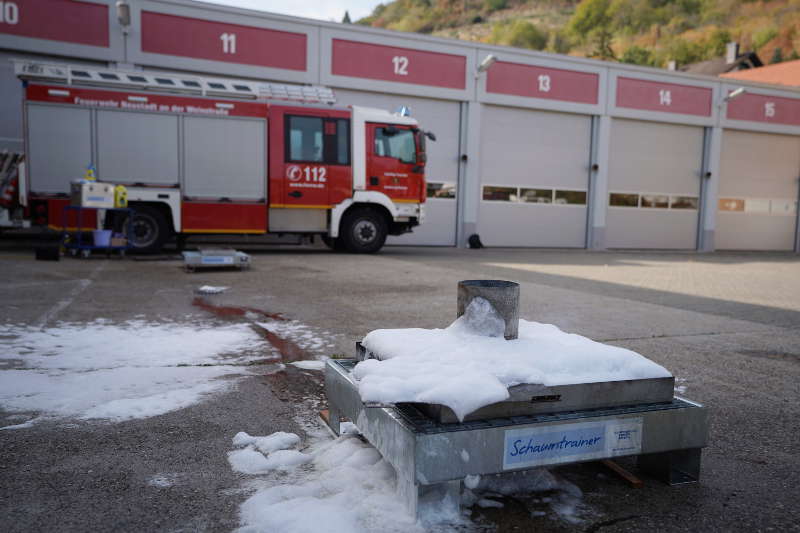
{"x": 231, "y": 311}
{"x": 289, "y": 351}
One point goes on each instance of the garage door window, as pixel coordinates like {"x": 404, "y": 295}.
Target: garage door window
{"x": 497, "y": 193}
{"x": 500, "y": 194}
{"x": 623, "y": 200}
{"x": 571, "y": 197}
{"x": 441, "y": 190}
{"x": 655, "y": 200}
{"x": 683, "y": 202}
{"x": 537, "y": 196}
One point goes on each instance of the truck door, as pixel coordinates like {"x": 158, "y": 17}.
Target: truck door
{"x": 311, "y": 166}
{"x": 393, "y": 165}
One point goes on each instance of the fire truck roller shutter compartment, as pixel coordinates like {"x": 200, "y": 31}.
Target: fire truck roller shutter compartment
{"x": 441, "y": 171}
{"x": 59, "y": 145}
{"x": 225, "y": 158}
{"x": 534, "y": 178}
{"x": 757, "y": 205}
{"x": 135, "y": 147}
{"x": 654, "y": 185}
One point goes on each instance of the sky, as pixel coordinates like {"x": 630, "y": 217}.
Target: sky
{"x": 331, "y": 10}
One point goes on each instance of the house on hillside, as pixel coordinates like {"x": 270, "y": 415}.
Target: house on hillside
{"x": 787, "y": 73}
{"x": 732, "y": 62}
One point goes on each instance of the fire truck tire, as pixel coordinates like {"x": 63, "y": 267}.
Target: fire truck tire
{"x": 150, "y": 230}
{"x": 334, "y": 244}
{"x": 363, "y": 231}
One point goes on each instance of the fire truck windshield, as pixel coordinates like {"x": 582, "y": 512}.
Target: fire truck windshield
{"x": 397, "y": 143}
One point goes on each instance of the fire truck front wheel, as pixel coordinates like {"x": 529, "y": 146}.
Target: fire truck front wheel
{"x": 363, "y": 231}
{"x": 149, "y": 231}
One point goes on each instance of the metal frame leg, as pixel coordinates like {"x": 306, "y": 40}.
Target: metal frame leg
{"x": 674, "y": 468}
{"x": 409, "y": 492}
{"x": 446, "y": 496}
{"x": 334, "y": 420}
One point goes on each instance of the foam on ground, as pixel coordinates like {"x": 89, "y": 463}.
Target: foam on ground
{"x": 120, "y": 371}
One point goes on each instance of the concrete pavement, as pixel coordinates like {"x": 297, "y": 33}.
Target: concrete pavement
{"x": 727, "y": 326}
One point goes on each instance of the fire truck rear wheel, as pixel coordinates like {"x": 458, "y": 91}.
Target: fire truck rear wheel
{"x": 150, "y": 230}
{"x": 363, "y": 231}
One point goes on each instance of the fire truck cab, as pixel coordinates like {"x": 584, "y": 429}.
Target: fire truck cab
{"x": 220, "y": 156}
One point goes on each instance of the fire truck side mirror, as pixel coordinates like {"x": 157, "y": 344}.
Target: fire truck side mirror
{"x": 430, "y": 135}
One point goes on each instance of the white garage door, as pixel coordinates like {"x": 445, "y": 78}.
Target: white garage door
{"x": 534, "y": 178}
{"x": 757, "y": 207}
{"x": 654, "y": 185}
{"x": 441, "y": 172}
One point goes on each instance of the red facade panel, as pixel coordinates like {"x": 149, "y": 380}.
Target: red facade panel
{"x": 391, "y": 63}
{"x": 763, "y": 108}
{"x": 665, "y": 97}
{"x": 221, "y": 41}
{"x": 56, "y": 20}
{"x": 144, "y": 101}
{"x": 543, "y": 82}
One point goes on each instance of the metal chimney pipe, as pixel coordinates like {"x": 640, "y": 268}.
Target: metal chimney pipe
{"x": 503, "y": 295}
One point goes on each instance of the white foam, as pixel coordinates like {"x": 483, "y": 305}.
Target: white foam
{"x": 309, "y": 365}
{"x": 349, "y": 489}
{"x": 211, "y": 289}
{"x": 251, "y": 461}
{"x": 120, "y": 371}
{"x": 277, "y": 441}
{"x": 465, "y": 370}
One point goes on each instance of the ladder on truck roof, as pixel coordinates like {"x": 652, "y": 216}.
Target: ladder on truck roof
{"x": 171, "y": 82}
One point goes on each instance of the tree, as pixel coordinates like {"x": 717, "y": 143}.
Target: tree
{"x": 519, "y": 33}
{"x": 495, "y": 5}
{"x": 636, "y": 55}
{"x": 592, "y": 23}
{"x": 777, "y": 55}
{"x": 717, "y": 43}
{"x": 346, "y": 19}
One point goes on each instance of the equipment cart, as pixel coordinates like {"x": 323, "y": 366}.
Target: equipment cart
{"x": 76, "y": 242}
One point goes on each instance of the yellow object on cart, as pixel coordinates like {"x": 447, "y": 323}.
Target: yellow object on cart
{"x": 120, "y": 196}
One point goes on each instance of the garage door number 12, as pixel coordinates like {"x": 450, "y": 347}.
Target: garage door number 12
{"x": 400, "y": 65}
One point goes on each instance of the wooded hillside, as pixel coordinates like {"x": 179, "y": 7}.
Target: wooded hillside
{"x": 644, "y": 32}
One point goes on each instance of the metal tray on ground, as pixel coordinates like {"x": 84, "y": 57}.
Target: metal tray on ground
{"x": 532, "y": 399}
{"x": 215, "y": 258}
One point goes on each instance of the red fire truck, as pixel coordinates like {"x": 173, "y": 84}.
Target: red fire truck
{"x": 220, "y": 156}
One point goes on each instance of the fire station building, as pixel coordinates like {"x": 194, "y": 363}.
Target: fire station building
{"x": 537, "y": 150}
